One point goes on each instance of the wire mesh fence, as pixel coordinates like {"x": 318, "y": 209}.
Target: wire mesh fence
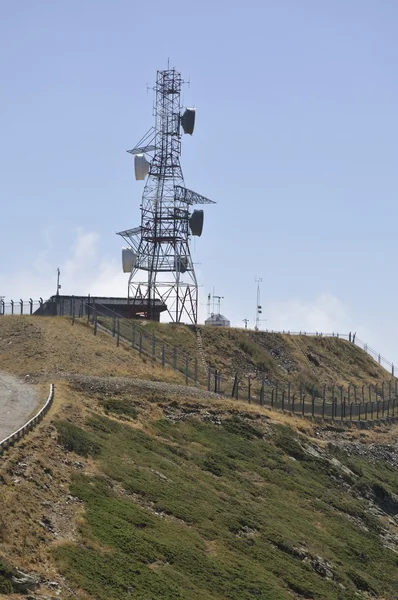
{"x": 353, "y": 403}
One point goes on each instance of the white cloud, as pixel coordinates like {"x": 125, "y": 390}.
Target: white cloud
{"x": 326, "y": 313}
{"x": 83, "y": 271}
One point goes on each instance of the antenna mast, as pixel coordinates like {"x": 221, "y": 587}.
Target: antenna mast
{"x": 259, "y": 309}
{"x": 162, "y": 275}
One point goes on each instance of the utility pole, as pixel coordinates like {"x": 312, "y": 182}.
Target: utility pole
{"x": 58, "y": 285}
{"x": 245, "y": 322}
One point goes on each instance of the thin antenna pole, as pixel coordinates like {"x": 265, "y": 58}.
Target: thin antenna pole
{"x": 258, "y": 305}
{"x": 58, "y": 286}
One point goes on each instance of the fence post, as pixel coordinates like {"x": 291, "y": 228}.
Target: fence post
{"x": 118, "y": 333}
{"x": 133, "y": 335}
{"x": 283, "y": 401}
{"x": 95, "y": 324}
{"x": 12, "y": 306}
{"x": 114, "y": 327}
{"x": 140, "y": 343}
{"x": 21, "y": 304}
{"x": 366, "y": 411}
{"x": 359, "y": 411}
{"x": 363, "y": 393}
{"x": 351, "y": 403}
{"x": 371, "y": 411}
{"x": 293, "y": 399}
{"x": 276, "y": 393}
{"x": 30, "y": 306}
{"x": 393, "y": 407}
{"x": 174, "y": 357}
{"x": 272, "y": 397}
{"x": 377, "y": 408}
{"x": 388, "y": 408}
{"x": 313, "y": 406}
{"x": 186, "y": 370}
{"x": 234, "y": 386}
{"x": 163, "y": 361}
{"x": 302, "y": 408}
{"x": 209, "y": 379}
{"x": 382, "y": 409}
{"x": 153, "y": 345}
{"x": 288, "y": 392}
{"x": 249, "y": 388}
{"x": 382, "y": 390}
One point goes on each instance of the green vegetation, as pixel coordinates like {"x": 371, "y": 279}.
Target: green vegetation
{"x": 121, "y": 407}
{"x": 198, "y": 511}
{"x": 6, "y": 574}
{"x": 76, "y": 440}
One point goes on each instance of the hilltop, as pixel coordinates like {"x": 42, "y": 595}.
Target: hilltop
{"x": 136, "y": 486}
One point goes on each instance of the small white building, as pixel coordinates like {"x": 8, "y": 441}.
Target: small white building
{"x": 218, "y": 320}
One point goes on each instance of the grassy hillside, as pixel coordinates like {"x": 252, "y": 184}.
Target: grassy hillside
{"x": 134, "y": 487}
{"x": 299, "y": 359}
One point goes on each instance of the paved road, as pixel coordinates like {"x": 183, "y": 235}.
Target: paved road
{"x": 17, "y": 402}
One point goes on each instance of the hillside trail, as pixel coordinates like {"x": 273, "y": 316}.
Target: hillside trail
{"x": 17, "y": 403}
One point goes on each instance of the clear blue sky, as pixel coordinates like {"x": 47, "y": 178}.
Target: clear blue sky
{"x": 296, "y": 140}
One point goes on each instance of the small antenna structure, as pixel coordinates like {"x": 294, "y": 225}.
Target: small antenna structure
{"x": 245, "y": 322}
{"x": 58, "y": 284}
{"x": 259, "y": 308}
{"x": 218, "y": 298}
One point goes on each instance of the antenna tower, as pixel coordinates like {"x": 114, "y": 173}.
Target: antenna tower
{"x": 162, "y": 275}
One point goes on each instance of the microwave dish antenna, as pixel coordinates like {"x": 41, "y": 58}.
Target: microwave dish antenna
{"x": 161, "y": 265}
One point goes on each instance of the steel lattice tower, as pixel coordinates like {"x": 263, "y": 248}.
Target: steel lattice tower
{"x": 160, "y": 259}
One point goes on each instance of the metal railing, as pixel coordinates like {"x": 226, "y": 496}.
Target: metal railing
{"x": 22, "y": 431}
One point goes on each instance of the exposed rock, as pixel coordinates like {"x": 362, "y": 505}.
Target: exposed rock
{"x": 322, "y": 567}
{"x": 24, "y": 583}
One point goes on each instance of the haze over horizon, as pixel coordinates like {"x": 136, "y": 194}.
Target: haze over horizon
{"x": 295, "y": 139}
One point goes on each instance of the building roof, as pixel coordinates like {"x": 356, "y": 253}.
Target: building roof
{"x": 216, "y": 317}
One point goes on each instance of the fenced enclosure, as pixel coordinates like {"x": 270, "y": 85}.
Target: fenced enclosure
{"x": 349, "y": 403}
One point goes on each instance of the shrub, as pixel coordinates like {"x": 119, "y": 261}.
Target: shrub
{"x": 75, "y": 439}
{"x": 122, "y": 407}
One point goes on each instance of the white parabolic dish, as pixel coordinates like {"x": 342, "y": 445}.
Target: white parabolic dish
{"x": 128, "y": 258}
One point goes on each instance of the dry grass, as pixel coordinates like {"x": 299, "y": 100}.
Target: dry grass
{"x": 48, "y": 348}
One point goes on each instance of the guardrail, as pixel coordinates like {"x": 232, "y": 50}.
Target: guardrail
{"x": 22, "y": 431}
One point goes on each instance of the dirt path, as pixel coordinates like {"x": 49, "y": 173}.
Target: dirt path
{"x": 17, "y": 402}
